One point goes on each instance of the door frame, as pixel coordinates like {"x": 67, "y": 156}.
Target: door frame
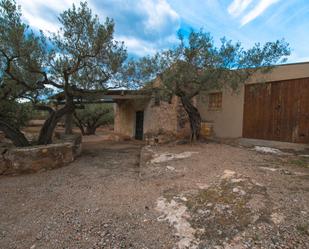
{"x": 139, "y": 133}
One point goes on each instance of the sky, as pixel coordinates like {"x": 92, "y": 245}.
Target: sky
{"x": 148, "y": 26}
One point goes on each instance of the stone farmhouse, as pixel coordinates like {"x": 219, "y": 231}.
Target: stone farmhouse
{"x": 272, "y": 106}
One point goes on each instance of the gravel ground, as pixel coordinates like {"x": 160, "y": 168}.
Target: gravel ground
{"x": 107, "y": 198}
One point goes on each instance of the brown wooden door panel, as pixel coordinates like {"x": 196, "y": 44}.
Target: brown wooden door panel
{"x": 277, "y": 111}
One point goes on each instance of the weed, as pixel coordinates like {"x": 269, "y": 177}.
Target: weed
{"x": 300, "y": 162}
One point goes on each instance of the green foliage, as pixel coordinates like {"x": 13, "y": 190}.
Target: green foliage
{"x": 301, "y": 162}
{"x": 93, "y": 116}
{"x": 197, "y": 64}
{"x": 21, "y": 54}
{"x": 16, "y": 114}
{"x": 86, "y": 56}
{"x": 81, "y": 58}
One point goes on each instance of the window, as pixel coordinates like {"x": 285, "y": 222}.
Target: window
{"x": 215, "y": 101}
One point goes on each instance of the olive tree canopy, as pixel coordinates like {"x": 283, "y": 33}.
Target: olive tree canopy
{"x": 80, "y": 59}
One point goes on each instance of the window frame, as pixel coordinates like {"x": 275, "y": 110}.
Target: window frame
{"x": 215, "y": 101}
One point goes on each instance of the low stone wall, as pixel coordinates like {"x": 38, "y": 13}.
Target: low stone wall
{"x": 32, "y": 159}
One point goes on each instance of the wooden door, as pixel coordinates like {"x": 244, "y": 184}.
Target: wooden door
{"x": 139, "y": 125}
{"x": 277, "y": 111}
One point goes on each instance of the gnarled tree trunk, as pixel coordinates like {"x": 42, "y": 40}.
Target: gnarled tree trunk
{"x": 85, "y": 128}
{"x": 68, "y": 122}
{"x": 14, "y": 134}
{"x": 79, "y": 124}
{"x": 89, "y": 125}
{"x": 194, "y": 117}
{"x": 90, "y": 130}
{"x": 47, "y": 130}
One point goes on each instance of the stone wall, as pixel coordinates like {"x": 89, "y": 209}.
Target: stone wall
{"x": 38, "y": 158}
{"x": 163, "y": 121}
{"x": 161, "y": 117}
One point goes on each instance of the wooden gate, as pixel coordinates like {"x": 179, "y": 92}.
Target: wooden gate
{"x": 277, "y": 111}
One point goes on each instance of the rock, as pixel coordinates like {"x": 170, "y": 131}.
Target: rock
{"x": 166, "y": 157}
{"x": 177, "y": 215}
{"x": 170, "y": 168}
{"x": 228, "y": 174}
{"x": 286, "y": 172}
{"x": 239, "y": 191}
{"x": 183, "y": 198}
{"x": 277, "y": 218}
{"x": 237, "y": 180}
{"x": 269, "y": 169}
{"x": 202, "y": 186}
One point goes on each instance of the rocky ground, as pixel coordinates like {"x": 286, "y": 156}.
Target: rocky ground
{"x": 120, "y": 195}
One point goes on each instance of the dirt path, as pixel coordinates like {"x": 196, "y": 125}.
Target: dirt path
{"x": 104, "y": 200}
{"x": 96, "y": 202}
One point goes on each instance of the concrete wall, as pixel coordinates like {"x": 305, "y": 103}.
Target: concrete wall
{"x": 228, "y": 121}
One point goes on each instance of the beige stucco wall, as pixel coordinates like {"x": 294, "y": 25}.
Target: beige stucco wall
{"x": 228, "y": 122}
{"x": 283, "y": 72}
{"x": 125, "y": 112}
{"x": 124, "y": 117}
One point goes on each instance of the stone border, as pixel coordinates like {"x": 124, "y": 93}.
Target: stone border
{"x": 32, "y": 159}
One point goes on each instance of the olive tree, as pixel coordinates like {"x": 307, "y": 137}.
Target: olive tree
{"x": 86, "y": 58}
{"x": 93, "y": 116}
{"x": 197, "y": 65}
{"x": 80, "y": 60}
{"x": 21, "y": 57}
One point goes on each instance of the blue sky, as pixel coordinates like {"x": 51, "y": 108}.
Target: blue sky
{"x": 147, "y": 26}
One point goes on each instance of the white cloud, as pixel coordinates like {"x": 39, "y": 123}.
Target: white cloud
{"x": 41, "y": 15}
{"x": 40, "y": 24}
{"x": 238, "y": 6}
{"x": 144, "y": 25}
{"x": 137, "y": 46}
{"x": 142, "y": 47}
{"x": 257, "y": 10}
{"x": 158, "y": 12}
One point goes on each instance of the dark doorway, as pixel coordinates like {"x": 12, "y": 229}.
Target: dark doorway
{"x": 139, "y": 125}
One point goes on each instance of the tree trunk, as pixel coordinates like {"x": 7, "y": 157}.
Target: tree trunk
{"x": 68, "y": 123}
{"x": 68, "y": 129}
{"x": 194, "y": 117}
{"x": 79, "y": 124}
{"x": 91, "y": 130}
{"x": 47, "y": 130}
{"x": 14, "y": 134}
